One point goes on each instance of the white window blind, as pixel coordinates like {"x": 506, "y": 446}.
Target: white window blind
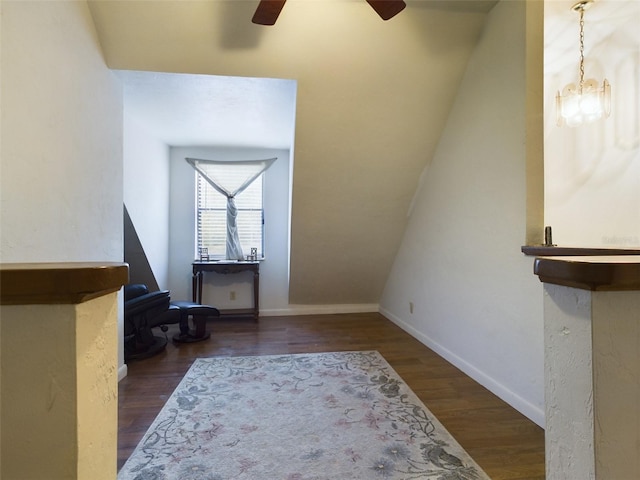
{"x": 211, "y": 221}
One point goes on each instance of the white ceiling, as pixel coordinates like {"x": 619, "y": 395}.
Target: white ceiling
{"x": 185, "y": 110}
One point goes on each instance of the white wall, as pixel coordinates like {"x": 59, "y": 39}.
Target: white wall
{"x": 476, "y": 301}
{"x": 592, "y": 173}
{"x": 274, "y": 280}
{"x": 146, "y": 193}
{"x": 61, "y": 195}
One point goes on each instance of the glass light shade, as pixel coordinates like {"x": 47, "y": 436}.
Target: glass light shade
{"x": 576, "y": 106}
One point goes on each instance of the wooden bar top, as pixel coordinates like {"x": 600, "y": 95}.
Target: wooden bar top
{"x": 554, "y": 250}
{"x": 596, "y": 273}
{"x": 59, "y": 283}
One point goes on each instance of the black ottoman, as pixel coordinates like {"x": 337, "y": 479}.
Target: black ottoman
{"x": 199, "y": 314}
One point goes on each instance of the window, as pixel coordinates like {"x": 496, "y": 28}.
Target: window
{"x": 211, "y": 211}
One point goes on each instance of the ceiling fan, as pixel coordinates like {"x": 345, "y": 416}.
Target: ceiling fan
{"x": 268, "y": 10}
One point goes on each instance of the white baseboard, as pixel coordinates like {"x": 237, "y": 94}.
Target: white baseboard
{"x": 320, "y": 309}
{"x": 525, "y": 407}
{"x": 122, "y": 372}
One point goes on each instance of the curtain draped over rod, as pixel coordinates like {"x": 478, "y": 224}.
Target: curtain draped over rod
{"x": 251, "y": 170}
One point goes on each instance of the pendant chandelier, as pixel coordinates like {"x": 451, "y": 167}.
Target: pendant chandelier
{"x": 587, "y": 101}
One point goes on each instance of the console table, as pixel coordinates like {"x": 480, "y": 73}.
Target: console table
{"x": 225, "y": 267}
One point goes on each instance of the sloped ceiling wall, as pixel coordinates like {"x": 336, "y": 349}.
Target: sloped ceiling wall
{"x": 373, "y": 97}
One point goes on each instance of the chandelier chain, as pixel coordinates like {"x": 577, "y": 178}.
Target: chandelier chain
{"x": 581, "y": 48}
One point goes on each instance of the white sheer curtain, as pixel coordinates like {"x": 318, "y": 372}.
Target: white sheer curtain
{"x": 249, "y": 170}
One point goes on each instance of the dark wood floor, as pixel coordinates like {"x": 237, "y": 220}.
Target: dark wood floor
{"x": 504, "y": 443}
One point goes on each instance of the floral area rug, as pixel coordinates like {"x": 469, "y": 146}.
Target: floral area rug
{"x": 326, "y": 416}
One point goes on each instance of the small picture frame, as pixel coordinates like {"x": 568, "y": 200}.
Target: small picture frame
{"x": 204, "y": 254}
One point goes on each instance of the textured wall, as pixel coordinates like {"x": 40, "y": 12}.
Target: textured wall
{"x": 39, "y": 391}
{"x": 97, "y": 383}
{"x": 569, "y": 432}
{"x": 616, "y": 360}
{"x": 59, "y": 384}
{"x": 592, "y": 383}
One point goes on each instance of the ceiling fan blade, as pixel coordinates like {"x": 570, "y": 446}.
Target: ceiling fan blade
{"x": 387, "y": 8}
{"x": 268, "y": 11}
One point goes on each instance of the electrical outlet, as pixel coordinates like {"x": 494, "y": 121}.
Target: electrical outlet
{"x": 232, "y": 295}
{"x": 410, "y": 307}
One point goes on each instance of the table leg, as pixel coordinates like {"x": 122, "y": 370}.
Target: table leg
{"x": 256, "y": 295}
{"x": 197, "y": 287}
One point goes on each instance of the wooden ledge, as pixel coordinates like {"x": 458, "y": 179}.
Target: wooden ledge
{"x": 553, "y": 251}
{"x": 58, "y": 283}
{"x": 602, "y": 273}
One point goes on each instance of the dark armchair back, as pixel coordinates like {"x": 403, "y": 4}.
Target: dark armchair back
{"x": 134, "y": 290}
{"x": 139, "y": 302}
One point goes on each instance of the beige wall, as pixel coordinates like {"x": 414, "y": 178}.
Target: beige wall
{"x": 60, "y": 391}
{"x": 371, "y": 103}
